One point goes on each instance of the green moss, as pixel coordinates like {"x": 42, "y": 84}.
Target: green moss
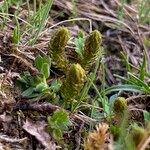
{"x": 74, "y": 82}
{"x": 91, "y": 49}
{"x": 56, "y": 48}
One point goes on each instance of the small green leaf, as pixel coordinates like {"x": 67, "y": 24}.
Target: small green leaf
{"x": 46, "y": 59}
{"x": 26, "y": 76}
{"x": 57, "y": 123}
{"x": 51, "y": 123}
{"x": 55, "y": 86}
{"x": 26, "y": 73}
{"x": 41, "y": 87}
{"x": 21, "y": 83}
{"x": 37, "y": 80}
{"x": 57, "y": 134}
{"x": 46, "y": 70}
{"x": 65, "y": 125}
{"x": 60, "y": 116}
{"x": 27, "y": 92}
{"x": 39, "y": 63}
{"x": 143, "y": 68}
{"x": 24, "y": 81}
{"x": 21, "y": 80}
{"x": 79, "y": 43}
{"x": 60, "y": 119}
{"x": 81, "y": 34}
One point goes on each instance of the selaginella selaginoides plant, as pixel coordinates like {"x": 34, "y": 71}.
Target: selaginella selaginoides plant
{"x": 74, "y": 82}
{"x": 56, "y": 48}
{"x": 91, "y": 49}
{"x": 57, "y": 45}
{"x": 75, "y": 73}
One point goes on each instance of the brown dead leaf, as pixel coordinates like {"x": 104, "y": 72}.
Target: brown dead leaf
{"x": 38, "y": 130}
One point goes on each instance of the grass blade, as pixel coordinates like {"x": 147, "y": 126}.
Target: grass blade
{"x": 45, "y": 13}
{"x": 126, "y": 61}
{"x": 143, "y": 68}
{"x": 126, "y": 87}
{"x": 139, "y": 82}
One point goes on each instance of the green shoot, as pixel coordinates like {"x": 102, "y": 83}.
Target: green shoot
{"x": 58, "y": 123}
{"x": 85, "y": 90}
{"x": 79, "y": 43}
{"x": 44, "y": 12}
{"x": 126, "y": 61}
{"x": 16, "y": 33}
{"x": 143, "y": 68}
{"x": 34, "y": 86}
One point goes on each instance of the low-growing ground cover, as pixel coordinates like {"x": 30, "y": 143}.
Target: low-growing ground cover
{"x": 74, "y": 74}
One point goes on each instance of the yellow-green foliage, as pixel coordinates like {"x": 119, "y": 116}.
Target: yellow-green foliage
{"x": 119, "y": 105}
{"x": 91, "y": 49}
{"x": 138, "y": 135}
{"x": 59, "y": 41}
{"x": 74, "y": 82}
{"x": 75, "y": 74}
{"x": 56, "y": 48}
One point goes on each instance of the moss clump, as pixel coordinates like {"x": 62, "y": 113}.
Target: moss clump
{"x": 119, "y": 105}
{"x": 56, "y": 48}
{"x": 91, "y": 49}
{"x": 74, "y": 82}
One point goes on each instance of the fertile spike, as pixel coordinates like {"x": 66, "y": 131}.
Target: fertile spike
{"x": 57, "y": 45}
{"x": 74, "y": 82}
{"x": 119, "y": 105}
{"x": 91, "y": 49}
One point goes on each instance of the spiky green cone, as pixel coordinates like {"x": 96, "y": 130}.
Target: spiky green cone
{"x": 56, "y": 48}
{"x": 74, "y": 82}
{"x": 119, "y": 106}
{"x": 91, "y": 49}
